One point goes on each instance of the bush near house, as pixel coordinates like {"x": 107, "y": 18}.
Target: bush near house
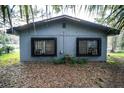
{"x": 70, "y": 60}
{"x": 6, "y": 49}
{"x": 1, "y": 50}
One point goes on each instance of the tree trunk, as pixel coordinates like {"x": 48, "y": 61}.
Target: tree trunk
{"x": 114, "y": 42}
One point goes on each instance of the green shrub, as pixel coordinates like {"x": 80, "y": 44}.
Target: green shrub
{"x": 82, "y": 61}
{"x": 70, "y": 60}
{"x": 110, "y": 60}
{"x": 73, "y": 60}
{"x": 8, "y": 49}
{"x": 59, "y": 61}
{"x": 113, "y": 63}
{"x": 1, "y": 50}
{"x": 120, "y": 51}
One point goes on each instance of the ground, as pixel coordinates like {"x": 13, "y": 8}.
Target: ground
{"x": 9, "y": 59}
{"x": 95, "y": 74}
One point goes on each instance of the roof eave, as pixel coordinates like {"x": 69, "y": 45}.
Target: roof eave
{"x": 108, "y": 30}
{"x": 112, "y": 32}
{"x": 9, "y": 31}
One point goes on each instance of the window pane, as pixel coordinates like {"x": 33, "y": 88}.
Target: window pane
{"x": 44, "y": 47}
{"x": 92, "y": 47}
{"x": 83, "y": 47}
{"x": 49, "y": 47}
{"x": 88, "y": 47}
{"x": 38, "y": 50}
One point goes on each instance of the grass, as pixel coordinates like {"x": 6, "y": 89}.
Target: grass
{"x": 13, "y": 58}
{"x": 9, "y": 59}
{"x": 110, "y": 58}
{"x": 117, "y": 54}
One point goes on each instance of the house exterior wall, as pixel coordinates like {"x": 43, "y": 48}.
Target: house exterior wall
{"x": 66, "y": 40}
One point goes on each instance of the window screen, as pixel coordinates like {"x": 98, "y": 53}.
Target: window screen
{"x": 88, "y": 47}
{"x": 43, "y": 46}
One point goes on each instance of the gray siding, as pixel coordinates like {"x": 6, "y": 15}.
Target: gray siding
{"x": 66, "y": 35}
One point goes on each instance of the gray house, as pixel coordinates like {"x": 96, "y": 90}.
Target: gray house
{"x": 63, "y": 35}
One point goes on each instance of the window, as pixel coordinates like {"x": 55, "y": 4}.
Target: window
{"x": 88, "y": 47}
{"x": 43, "y": 46}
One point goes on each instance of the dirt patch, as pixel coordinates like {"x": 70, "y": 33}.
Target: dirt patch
{"x": 66, "y": 75}
{"x": 120, "y": 60}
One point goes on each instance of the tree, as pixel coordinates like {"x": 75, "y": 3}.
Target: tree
{"x": 7, "y": 12}
{"x": 110, "y": 15}
{"x": 114, "y": 14}
{"x": 3, "y": 39}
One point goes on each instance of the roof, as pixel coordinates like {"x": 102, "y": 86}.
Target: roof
{"x": 108, "y": 30}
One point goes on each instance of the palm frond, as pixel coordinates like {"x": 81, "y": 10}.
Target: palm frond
{"x": 93, "y": 8}
{"x": 74, "y": 9}
{"x": 115, "y": 17}
{"x": 47, "y": 11}
{"x": 12, "y": 8}
{"x": 80, "y": 9}
{"x": 104, "y": 10}
{"x": 119, "y": 21}
{"x": 32, "y": 12}
{"x": 113, "y": 11}
{"x": 3, "y": 9}
{"x": 9, "y": 15}
{"x": 20, "y": 7}
{"x": 57, "y": 8}
{"x": 26, "y": 13}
